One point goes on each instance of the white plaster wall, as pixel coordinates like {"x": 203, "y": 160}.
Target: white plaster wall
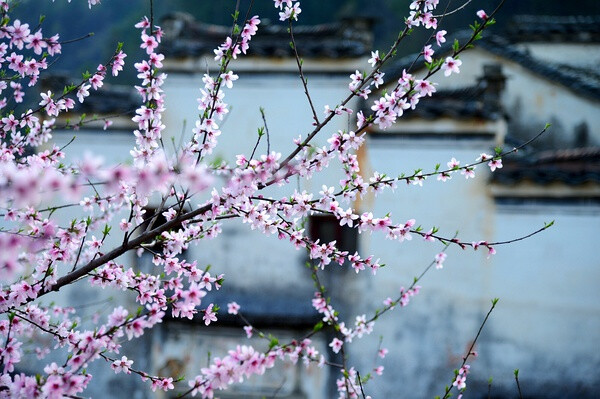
{"x": 548, "y": 323}
{"x": 427, "y": 337}
{"x": 242, "y": 254}
{"x": 548, "y": 318}
{"x": 286, "y": 109}
{"x": 252, "y": 262}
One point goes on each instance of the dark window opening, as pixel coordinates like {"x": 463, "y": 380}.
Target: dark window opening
{"x": 326, "y": 228}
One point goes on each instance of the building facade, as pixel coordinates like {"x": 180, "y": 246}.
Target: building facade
{"x": 548, "y": 319}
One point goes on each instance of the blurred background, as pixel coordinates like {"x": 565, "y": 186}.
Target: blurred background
{"x": 537, "y": 65}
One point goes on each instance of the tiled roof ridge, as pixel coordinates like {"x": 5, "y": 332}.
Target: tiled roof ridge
{"x": 568, "y": 154}
{"x": 186, "y": 36}
{"x": 564, "y": 19}
{"x": 572, "y": 166}
{"x": 266, "y": 25}
{"x": 503, "y": 47}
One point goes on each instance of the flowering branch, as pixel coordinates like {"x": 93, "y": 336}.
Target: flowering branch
{"x": 461, "y": 374}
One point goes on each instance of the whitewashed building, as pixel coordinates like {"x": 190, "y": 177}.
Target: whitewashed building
{"x": 547, "y": 322}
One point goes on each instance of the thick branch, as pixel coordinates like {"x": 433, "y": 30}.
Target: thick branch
{"x": 115, "y": 253}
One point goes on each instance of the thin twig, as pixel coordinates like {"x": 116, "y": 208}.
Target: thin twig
{"x": 518, "y": 385}
{"x": 361, "y": 385}
{"x": 262, "y": 113}
{"x": 470, "y": 351}
{"x": 453, "y": 11}
{"x": 77, "y": 39}
{"x": 301, "y": 72}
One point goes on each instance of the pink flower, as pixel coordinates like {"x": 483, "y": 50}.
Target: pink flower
{"x": 122, "y": 365}
{"x": 453, "y": 164}
{"x": 290, "y": 12}
{"x": 460, "y": 382}
{"x": 249, "y": 331}
{"x": 143, "y": 24}
{"x": 440, "y": 37}
{"x": 83, "y": 92}
{"x": 37, "y": 42}
{"x": 424, "y": 87}
{"x": 439, "y": 260}
{"x": 229, "y": 78}
{"x": 124, "y": 225}
{"x": 209, "y": 315}
{"x": 97, "y": 81}
{"x": 429, "y": 21}
{"x": 336, "y": 345}
{"x": 468, "y": 173}
{"x": 118, "y": 63}
{"x": 428, "y": 53}
{"x": 451, "y": 65}
{"x": 483, "y": 157}
{"x": 481, "y": 14}
{"x": 279, "y": 3}
{"x": 495, "y": 164}
{"x": 233, "y": 308}
{"x": 167, "y": 384}
{"x": 149, "y": 43}
{"x": 374, "y": 58}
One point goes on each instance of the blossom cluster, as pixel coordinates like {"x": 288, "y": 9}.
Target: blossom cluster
{"x": 244, "y": 361}
{"x": 40, "y": 255}
{"x": 290, "y": 9}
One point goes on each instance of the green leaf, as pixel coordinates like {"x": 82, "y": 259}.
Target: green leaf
{"x": 318, "y": 326}
{"x": 273, "y": 343}
{"x": 456, "y": 45}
